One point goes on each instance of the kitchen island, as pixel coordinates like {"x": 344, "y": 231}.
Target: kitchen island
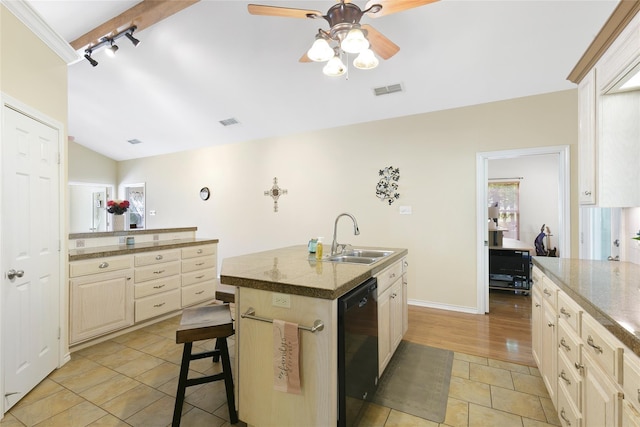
{"x": 288, "y": 284}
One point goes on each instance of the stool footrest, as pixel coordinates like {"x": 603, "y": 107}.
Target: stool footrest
{"x": 205, "y": 354}
{"x": 202, "y": 380}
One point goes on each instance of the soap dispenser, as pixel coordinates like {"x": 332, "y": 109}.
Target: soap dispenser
{"x": 319, "y": 249}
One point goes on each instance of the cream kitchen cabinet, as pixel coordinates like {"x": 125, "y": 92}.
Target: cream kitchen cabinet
{"x": 157, "y": 277}
{"x": 587, "y": 139}
{"x": 391, "y": 311}
{"x": 101, "y": 297}
{"x": 545, "y": 330}
{"x": 198, "y": 274}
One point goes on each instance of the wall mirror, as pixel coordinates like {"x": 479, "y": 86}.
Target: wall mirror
{"x": 87, "y": 206}
{"x": 135, "y": 216}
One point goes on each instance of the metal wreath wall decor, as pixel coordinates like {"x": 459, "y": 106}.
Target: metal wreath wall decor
{"x": 387, "y": 188}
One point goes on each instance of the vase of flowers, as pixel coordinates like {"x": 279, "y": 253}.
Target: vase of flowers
{"x": 117, "y": 208}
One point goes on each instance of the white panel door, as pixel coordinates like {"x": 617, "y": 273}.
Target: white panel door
{"x": 30, "y": 248}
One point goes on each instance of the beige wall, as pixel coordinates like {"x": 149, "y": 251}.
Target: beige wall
{"x": 29, "y": 70}
{"x": 88, "y": 166}
{"x": 336, "y": 170}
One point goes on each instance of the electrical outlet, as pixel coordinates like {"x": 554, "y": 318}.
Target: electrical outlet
{"x": 405, "y": 210}
{"x": 80, "y": 243}
{"x": 152, "y": 212}
{"x": 156, "y": 237}
{"x": 281, "y": 300}
{"x": 121, "y": 240}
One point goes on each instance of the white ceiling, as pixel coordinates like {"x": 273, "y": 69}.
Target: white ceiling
{"x": 214, "y": 61}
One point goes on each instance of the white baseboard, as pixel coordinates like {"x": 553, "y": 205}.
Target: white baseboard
{"x": 458, "y": 308}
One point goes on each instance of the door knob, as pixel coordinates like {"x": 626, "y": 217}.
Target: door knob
{"x": 11, "y": 274}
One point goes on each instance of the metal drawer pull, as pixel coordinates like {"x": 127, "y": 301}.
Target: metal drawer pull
{"x": 198, "y": 293}
{"x": 199, "y": 264}
{"x": 591, "y": 344}
{"x": 393, "y": 295}
{"x": 158, "y": 305}
{"x": 551, "y": 325}
{"x": 103, "y": 265}
{"x": 564, "y": 377}
{"x": 159, "y": 257}
{"x": 564, "y": 344}
{"x": 199, "y": 277}
{"x": 579, "y": 366}
{"x": 639, "y": 395}
{"x": 587, "y": 193}
{"x": 158, "y": 272}
{"x": 391, "y": 276}
{"x": 566, "y": 420}
{"x": 546, "y": 292}
{"x": 158, "y": 287}
{"x": 565, "y": 312}
{"x": 199, "y": 251}
{"x": 537, "y": 305}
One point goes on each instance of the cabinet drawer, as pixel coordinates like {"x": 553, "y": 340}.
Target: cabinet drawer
{"x": 630, "y": 415}
{"x": 156, "y": 286}
{"x": 567, "y": 413}
{"x": 197, "y": 251}
{"x": 99, "y": 265}
{"x": 157, "y": 257}
{"x": 142, "y": 274}
{"x": 156, "y": 305}
{"x": 631, "y": 383}
{"x": 570, "y": 380}
{"x": 198, "y": 293}
{"x": 195, "y": 264}
{"x": 602, "y": 347}
{"x": 198, "y": 276}
{"x": 389, "y": 275}
{"x": 568, "y": 342}
{"x": 569, "y": 311}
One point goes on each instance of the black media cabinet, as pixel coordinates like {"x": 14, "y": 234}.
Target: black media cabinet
{"x": 510, "y": 269}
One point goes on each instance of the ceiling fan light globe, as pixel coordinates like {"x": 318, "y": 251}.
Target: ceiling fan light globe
{"x": 320, "y": 51}
{"x": 334, "y": 67}
{"x": 355, "y": 42}
{"x": 366, "y": 60}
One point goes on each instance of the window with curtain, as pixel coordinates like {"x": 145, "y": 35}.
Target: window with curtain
{"x": 507, "y": 195}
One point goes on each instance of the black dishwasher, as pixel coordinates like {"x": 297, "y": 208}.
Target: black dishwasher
{"x": 357, "y": 351}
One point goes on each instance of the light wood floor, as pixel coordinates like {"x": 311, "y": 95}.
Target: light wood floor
{"x": 503, "y": 334}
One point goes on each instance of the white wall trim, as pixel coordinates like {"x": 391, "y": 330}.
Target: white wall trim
{"x": 439, "y": 306}
{"x": 564, "y": 208}
{"x": 29, "y": 17}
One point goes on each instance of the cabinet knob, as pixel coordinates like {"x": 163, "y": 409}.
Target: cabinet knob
{"x": 587, "y": 193}
{"x": 103, "y": 265}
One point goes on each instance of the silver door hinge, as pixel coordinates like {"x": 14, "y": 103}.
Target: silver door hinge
{"x": 59, "y": 332}
{"x": 58, "y": 157}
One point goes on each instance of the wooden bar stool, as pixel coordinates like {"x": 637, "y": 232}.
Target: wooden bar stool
{"x": 204, "y": 323}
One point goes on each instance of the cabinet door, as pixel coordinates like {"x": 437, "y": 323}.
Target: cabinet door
{"x": 549, "y": 355}
{"x": 384, "y": 332}
{"x": 536, "y": 325}
{"x": 396, "y": 327}
{"x": 587, "y": 139}
{"x": 602, "y": 402}
{"x": 100, "y": 303}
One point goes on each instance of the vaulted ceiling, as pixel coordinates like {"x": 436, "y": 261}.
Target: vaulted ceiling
{"x": 214, "y": 61}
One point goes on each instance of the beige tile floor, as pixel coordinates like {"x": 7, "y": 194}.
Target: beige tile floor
{"x": 131, "y": 381}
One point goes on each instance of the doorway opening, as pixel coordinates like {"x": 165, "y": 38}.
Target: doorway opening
{"x": 563, "y": 231}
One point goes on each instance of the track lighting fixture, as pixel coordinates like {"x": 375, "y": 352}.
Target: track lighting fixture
{"x": 110, "y": 42}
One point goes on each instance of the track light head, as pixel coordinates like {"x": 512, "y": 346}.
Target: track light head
{"x": 134, "y": 40}
{"x": 88, "y": 57}
{"x": 111, "y": 50}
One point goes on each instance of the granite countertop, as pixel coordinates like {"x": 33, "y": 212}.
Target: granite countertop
{"x": 293, "y": 270}
{"x": 129, "y": 232}
{"x": 114, "y": 250}
{"x": 608, "y": 291}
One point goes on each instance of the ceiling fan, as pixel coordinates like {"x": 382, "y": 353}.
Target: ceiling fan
{"x": 346, "y": 34}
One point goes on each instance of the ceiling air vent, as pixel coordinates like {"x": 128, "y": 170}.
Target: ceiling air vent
{"x": 134, "y": 141}
{"x": 385, "y": 90}
{"x": 229, "y": 122}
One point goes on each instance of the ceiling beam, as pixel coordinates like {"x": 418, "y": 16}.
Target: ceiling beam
{"x": 142, "y": 15}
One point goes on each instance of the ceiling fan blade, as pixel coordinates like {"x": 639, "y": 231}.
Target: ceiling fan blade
{"x": 381, "y": 45}
{"x": 393, "y": 6}
{"x": 257, "y": 9}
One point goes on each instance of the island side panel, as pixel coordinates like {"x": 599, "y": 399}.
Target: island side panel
{"x": 258, "y": 403}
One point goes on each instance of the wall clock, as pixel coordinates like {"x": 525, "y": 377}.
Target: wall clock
{"x": 205, "y": 193}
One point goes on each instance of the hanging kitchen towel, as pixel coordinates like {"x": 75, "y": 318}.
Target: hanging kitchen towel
{"x": 286, "y": 357}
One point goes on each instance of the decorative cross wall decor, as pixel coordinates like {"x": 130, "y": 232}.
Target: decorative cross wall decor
{"x": 275, "y": 192}
{"x": 387, "y": 187}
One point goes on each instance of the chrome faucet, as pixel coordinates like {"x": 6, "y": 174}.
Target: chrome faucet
{"x": 356, "y": 231}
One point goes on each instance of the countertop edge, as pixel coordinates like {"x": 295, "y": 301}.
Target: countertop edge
{"x": 295, "y": 289}
{"x": 109, "y": 251}
{"x": 130, "y": 232}
{"x": 610, "y": 324}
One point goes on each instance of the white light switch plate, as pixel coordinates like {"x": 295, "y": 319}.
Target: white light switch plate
{"x": 405, "y": 210}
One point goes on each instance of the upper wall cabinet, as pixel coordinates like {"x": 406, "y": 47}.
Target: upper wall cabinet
{"x": 609, "y": 129}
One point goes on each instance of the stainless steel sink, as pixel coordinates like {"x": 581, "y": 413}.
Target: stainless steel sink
{"x": 352, "y": 259}
{"x": 360, "y": 256}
